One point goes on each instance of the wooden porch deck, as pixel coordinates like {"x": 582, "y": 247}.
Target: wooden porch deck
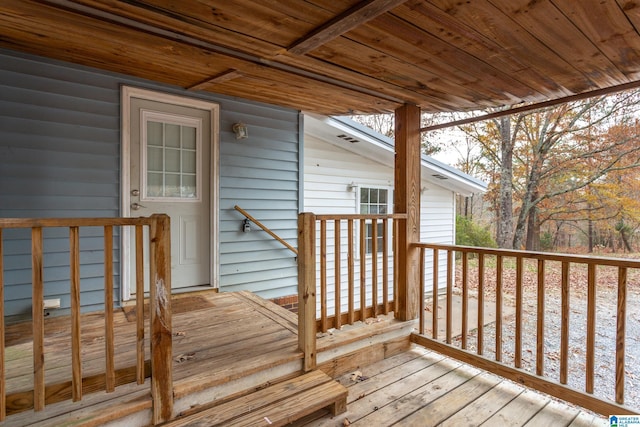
{"x": 229, "y": 344}
{"x": 223, "y": 344}
{"x": 423, "y": 388}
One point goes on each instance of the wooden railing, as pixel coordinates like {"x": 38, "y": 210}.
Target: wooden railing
{"x": 352, "y": 276}
{"x": 539, "y": 279}
{"x": 159, "y": 313}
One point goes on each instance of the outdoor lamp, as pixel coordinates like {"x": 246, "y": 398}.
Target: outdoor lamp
{"x": 241, "y": 130}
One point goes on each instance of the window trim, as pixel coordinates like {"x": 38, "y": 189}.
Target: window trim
{"x": 389, "y": 191}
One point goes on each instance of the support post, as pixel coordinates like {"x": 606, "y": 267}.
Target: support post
{"x": 407, "y": 201}
{"x": 160, "y": 314}
{"x": 307, "y": 289}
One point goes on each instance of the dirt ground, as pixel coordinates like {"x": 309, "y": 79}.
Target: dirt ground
{"x": 606, "y": 311}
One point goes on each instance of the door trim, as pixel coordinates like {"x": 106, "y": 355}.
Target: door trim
{"x": 128, "y": 92}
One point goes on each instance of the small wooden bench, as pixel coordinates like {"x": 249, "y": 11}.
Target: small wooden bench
{"x": 276, "y": 405}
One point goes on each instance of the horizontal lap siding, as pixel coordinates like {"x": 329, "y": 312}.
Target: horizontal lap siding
{"x": 60, "y": 157}
{"x": 259, "y": 174}
{"x": 328, "y": 171}
{"x": 437, "y": 226}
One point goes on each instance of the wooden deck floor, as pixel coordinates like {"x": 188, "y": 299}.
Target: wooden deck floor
{"x": 218, "y": 339}
{"x": 423, "y": 388}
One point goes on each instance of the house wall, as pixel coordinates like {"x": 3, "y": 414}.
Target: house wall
{"x": 60, "y": 157}
{"x": 330, "y": 169}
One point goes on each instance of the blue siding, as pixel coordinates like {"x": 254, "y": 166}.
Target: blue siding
{"x": 60, "y": 157}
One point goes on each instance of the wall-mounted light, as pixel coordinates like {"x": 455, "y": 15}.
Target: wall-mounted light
{"x": 352, "y": 187}
{"x": 241, "y": 130}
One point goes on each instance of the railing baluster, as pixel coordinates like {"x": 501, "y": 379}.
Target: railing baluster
{"x": 76, "y": 358}
{"x": 140, "y": 304}
{"x": 338, "y": 293}
{"x": 38, "y": 318}
{"x": 450, "y": 254}
{"x": 591, "y": 327}
{"x": 564, "y": 327}
{"x": 363, "y": 272}
{"x": 434, "y": 304}
{"x": 374, "y": 266}
{"x": 351, "y": 272}
{"x": 620, "y": 333}
{"x": 396, "y": 263}
{"x": 519, "y": 319}
{"x": 465, "y": 299}
{"x": 160, "y": 311}
{"x": 499, "y": 308}
{"x": 110, "y": 371}
{"x": 480, "y": 345}
{"x": 537, "y": 379}
{"x": 3, "y": 390}
{"x": 421, "y": 301}
{"x": 323, "y": 276}
{"x": 385, "y": 265}
{"x": 540, "y": 320}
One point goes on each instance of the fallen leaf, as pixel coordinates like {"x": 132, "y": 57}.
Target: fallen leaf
{"x": 184, "y": 357}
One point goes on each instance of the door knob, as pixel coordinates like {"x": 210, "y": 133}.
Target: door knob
{"x": 135, "y": 193}
{"x": 136, "y": 206}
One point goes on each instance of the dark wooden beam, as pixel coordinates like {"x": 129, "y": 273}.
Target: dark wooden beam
{"x": 359, "y": 14}
{"x": 407, "y": 201}
{"x": 530, "y": 107}
{"x": 225, "y": 76}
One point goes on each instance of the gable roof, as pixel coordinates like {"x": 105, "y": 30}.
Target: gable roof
{"x": 345, "y": 56}
{"x": 364, "y": 141}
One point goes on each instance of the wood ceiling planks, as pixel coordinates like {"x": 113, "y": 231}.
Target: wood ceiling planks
{"x": 438, "y": 54}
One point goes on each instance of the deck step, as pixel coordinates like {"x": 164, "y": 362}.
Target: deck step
{"x": 276, "y": 405}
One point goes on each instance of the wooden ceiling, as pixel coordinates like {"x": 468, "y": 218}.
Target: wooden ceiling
{"x": 345, "y": 56}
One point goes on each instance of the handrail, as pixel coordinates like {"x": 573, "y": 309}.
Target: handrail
{"x": 160, "y": 314}
{"x": 266, "y": 229}
{"x": 539, "y": 379}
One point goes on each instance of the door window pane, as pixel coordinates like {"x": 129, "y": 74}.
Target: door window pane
{"x": 171, "y": 159}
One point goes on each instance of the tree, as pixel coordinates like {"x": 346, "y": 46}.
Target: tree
{"x": 545, "y": 154}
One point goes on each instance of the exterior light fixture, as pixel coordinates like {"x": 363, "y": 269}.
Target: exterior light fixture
{"x": 241, "y": 130}
{"x": 352, "y": 187}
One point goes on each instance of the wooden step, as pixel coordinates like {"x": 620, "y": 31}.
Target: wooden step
{"x": 276, "y": 405}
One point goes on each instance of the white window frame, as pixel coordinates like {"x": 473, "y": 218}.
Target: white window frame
{"x": 358, "y": 210}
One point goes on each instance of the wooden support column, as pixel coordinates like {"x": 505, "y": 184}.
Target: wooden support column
{"x": 307, "y": 289}
{"x": 407, "y": 200}
{"x": 160, "y": 314}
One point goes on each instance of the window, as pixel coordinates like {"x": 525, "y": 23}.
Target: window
{"x": 374, "y": 201}
{"x": 170, "y": 147}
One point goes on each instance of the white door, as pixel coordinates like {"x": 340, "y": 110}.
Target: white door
{"x": 170, "y": 172}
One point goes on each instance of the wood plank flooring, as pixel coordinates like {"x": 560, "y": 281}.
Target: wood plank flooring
{"x": 217, "y": 338}
{"x": 422, "y": 388}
